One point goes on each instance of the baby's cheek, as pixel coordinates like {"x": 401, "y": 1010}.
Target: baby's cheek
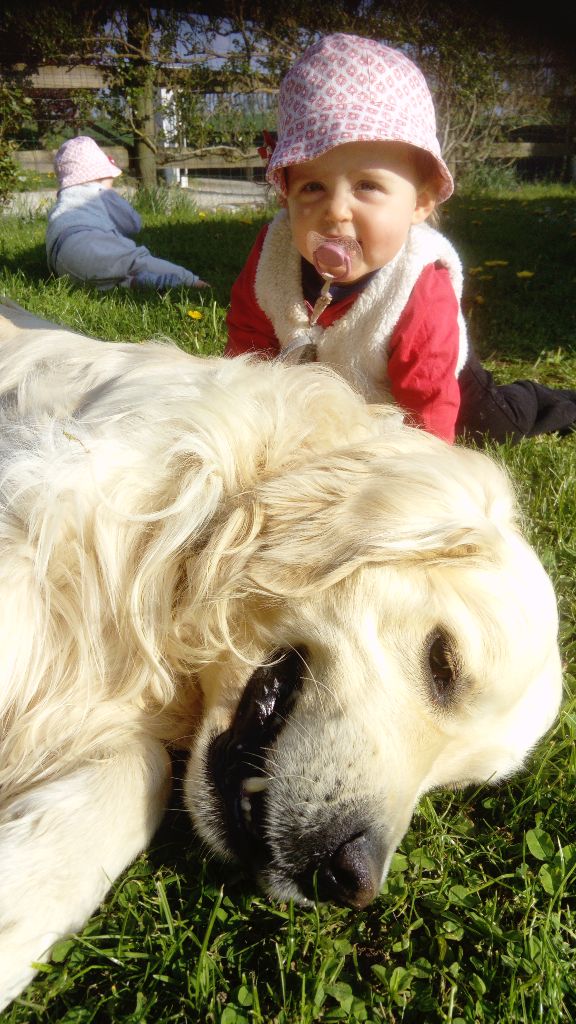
{"x": 305, "y": 213}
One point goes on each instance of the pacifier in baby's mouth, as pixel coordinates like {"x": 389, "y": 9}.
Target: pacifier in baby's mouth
{"x": 334, "y": 258}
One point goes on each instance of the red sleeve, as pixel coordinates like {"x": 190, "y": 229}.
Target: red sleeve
{"x": 249, "y": 329}
{"x": 424, "y": 352}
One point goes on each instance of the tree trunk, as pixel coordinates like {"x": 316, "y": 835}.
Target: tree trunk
{"x": 569, "y": 174}
{"x": 144, "y": 150}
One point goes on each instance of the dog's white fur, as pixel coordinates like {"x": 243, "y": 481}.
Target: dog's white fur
{"x": 166, "y": 524}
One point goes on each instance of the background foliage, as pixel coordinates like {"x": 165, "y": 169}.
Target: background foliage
{"x": 490, "y": 74}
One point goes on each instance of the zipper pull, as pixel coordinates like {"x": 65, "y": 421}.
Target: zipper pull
{"x": 322, "y": 302}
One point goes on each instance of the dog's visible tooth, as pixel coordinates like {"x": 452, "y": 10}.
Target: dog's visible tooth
{"x": 254, "y": 784}
{"x": 246, "y": 808}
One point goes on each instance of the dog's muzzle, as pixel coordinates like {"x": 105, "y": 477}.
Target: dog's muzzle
{"x": 345, "y": 865}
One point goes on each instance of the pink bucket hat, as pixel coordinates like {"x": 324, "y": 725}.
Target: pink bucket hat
{"x": 350, "y": 89}
{"x": 80, "y": 160}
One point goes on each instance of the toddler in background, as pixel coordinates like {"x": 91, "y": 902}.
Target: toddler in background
{"x": 89, "y": 229}
{"x": 350, "y": 274}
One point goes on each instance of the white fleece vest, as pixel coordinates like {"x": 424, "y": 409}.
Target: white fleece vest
{"x": 356, "y": 345}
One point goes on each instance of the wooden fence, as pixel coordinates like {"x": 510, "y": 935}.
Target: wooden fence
{"x": 212, "y": 163}
{"x": 226, "y": 161}
{"x": 41, "y": 161}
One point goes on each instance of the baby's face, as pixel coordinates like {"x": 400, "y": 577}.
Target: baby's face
{"x": 369, "y": 191}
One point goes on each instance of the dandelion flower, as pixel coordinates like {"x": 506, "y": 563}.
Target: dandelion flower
{"x": 495, "y": 263}
{"x": 195, "y": 314}
{"x": 524, "y": 273}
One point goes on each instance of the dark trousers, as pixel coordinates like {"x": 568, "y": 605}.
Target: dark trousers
{"x": 511, "y": 411}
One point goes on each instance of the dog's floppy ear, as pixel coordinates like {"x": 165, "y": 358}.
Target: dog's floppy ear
{"x": 399, "y": 495}
{"x": 421, "y": 501}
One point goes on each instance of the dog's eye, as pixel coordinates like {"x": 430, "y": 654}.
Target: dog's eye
{"x": 443, "y": 667}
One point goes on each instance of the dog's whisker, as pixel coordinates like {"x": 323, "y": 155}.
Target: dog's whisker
{"x": 310, "y": 677}
{"x": 331, "y": 691}
{"x": 256, "y": 757}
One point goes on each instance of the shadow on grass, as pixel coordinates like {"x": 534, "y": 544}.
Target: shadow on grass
{"x": 30, "y": 262}
{"x": 215, "y": 250}
{"x": 518, "y": 255}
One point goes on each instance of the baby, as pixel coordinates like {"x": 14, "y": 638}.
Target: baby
{"x": 350, "y": 274}
{"x": 89, "y": 229}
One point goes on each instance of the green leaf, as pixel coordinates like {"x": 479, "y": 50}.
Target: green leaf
{"x": 342, "y": 993}
{"x": 61, "y": 949}
{"x": 400, "y": 980}
{"x": 342, "y": 946}
{"x": 540, "y": 844}
{"x": 380, "y": 972}
{"x": 551, "y": 879}
{"x": 452, "y": 930}
{"x": 420, "y": 859}
{"x": 464, "y": 897}
{"x": 565, "y": 857}
{"x": 244, "y": 996}
{"x": 398, "y": 863}
{"x": 230, "y": 1015}
{"x": 478, "y": 985}
{"x": 319, "y": 995}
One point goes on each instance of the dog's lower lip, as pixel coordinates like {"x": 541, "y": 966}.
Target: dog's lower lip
{"x": 234, "y": 755}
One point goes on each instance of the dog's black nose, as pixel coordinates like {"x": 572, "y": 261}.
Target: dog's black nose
{"x": 352, "y": 874}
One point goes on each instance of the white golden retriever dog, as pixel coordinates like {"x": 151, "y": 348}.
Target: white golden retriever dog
{"x": 334, "y": 612}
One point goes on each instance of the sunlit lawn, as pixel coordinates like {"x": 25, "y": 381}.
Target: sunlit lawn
{"x": 477, "y": 922}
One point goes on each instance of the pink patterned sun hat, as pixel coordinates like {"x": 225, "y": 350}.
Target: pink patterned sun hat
{"x": 351, "y": 89}
{"x": 80, "y": 160}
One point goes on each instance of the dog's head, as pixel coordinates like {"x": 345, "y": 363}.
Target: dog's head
{"x": 391, "y": 633}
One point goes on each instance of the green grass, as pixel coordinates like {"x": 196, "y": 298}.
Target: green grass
{"x": 477, "y": 921}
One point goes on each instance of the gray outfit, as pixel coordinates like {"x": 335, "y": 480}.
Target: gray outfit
{"x": 88, "y": 239}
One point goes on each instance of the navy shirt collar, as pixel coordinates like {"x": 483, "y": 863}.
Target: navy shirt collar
{"x": 312, "y": 284}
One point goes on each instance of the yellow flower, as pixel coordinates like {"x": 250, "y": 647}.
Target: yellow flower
{"x": 195, "y": 314}
{"x": 475, "y": 270}
{"x": 495, "y": 263}
{"x": 201, "y": 216}
{"x": 524, "y": 273}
